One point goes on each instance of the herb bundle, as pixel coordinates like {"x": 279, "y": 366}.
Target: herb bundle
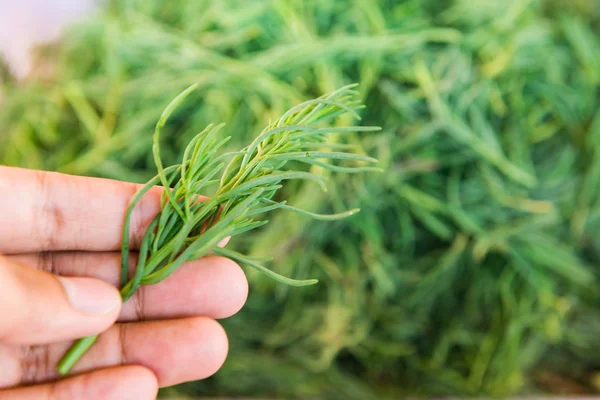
{"x": 189, "y": 226}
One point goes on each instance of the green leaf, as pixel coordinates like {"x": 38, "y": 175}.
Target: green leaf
{"x": 279, "y": 278}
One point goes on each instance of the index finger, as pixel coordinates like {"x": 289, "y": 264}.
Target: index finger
{"x": 48, "y": 211}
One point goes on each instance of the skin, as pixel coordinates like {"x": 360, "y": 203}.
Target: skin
{"x": 59, "y": 232}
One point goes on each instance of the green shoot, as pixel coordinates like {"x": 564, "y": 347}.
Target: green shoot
{"x": 190, "y": 226}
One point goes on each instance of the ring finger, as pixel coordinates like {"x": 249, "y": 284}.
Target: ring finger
{"x": 175, "y": 350}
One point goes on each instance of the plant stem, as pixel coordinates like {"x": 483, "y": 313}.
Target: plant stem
{"x": 82, "y": 345}
{"x": 75, "y": 353}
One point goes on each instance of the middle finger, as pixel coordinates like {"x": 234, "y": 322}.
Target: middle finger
{"x": 214, "y": 287}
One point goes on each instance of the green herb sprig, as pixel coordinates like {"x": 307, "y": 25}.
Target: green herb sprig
{"x": 189, "y": 225}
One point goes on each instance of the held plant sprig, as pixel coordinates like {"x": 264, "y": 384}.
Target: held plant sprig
{"x": 189, "y": 226}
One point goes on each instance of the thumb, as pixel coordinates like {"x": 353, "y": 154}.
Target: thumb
{"x": 37, "y": 307}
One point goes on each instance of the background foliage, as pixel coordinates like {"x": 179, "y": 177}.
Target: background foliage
{"x": 473, "y": 266}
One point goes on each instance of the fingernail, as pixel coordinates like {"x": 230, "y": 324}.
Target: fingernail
{"x": 90, "y": 296}
{"x": 224, "y": 242}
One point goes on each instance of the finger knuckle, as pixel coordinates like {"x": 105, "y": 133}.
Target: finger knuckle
{"x": 35, "y": 364}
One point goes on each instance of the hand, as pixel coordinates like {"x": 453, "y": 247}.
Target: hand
{"x": 60, "y": 236}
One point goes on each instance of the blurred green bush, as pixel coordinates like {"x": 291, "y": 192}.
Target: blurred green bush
{"x": 473, "y": 267}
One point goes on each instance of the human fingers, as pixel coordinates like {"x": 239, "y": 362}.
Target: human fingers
{"x": 51, "y": 211}
{"x": 215, "y": 287}
{"x": 131, "y": 382}
{"x": 39, "y": 307}
{"x": 175, "y": 351}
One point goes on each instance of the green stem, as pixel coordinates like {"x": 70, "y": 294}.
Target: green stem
{"x": 82, "y": 345}
{"x": 75, "y": 353}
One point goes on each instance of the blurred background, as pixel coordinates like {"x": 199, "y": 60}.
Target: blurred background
{"x": 473, "y": 267}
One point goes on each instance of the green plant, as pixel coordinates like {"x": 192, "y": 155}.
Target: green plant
{"x": 189, "y": 225}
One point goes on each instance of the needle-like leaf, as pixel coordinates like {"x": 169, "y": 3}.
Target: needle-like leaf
{"x": 189, "y": 227}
